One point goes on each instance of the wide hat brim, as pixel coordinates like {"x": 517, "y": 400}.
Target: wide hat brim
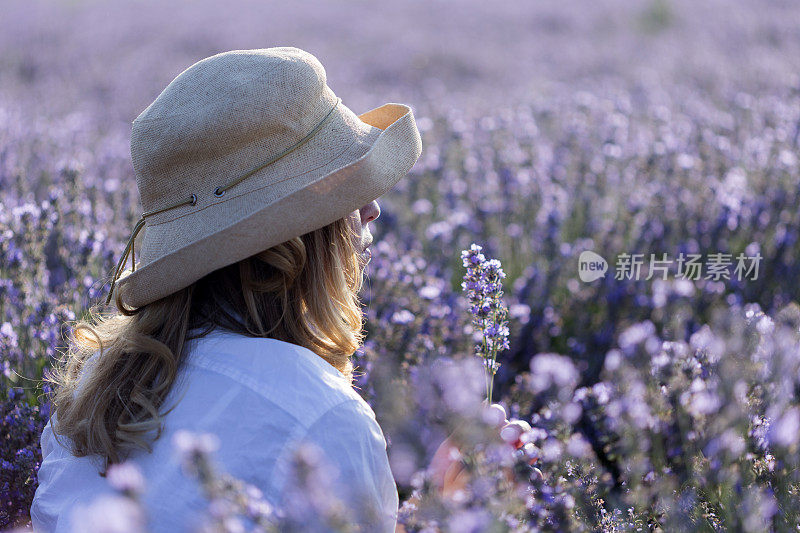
{"x": 352, "y": 161}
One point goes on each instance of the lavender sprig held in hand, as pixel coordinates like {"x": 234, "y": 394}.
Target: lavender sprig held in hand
{"x": 483, "y": 286}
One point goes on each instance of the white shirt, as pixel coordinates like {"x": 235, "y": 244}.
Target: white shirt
{"x": 260, "y": 397}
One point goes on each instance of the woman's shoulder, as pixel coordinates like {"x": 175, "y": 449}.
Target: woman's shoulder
{"x": 284, "y": 374}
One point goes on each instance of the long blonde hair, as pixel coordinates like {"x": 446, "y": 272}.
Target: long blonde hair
{"x": 303, "y": 291}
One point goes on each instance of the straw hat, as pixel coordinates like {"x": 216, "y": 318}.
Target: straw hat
{"x": 243, "y": 151}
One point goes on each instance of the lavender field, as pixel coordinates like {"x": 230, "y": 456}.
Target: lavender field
{"x": 650, "y": 402}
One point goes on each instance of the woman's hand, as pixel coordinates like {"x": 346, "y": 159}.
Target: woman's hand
{"x": 448, "y": 471}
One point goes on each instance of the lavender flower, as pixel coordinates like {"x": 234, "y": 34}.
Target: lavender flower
{"x": 483, "y": 285}
{"x": 233, "y": 504}
{"x": 21, "y": 425}
{"x": 110, "y": 514}
{"x": 126, "y": 478}
{"x": 115, "y": 513}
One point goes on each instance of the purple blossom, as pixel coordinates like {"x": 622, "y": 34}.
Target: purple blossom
{"x": 111, "y": 514}
{"x": 484, "y": 290}
{"x": 126, "y": 478}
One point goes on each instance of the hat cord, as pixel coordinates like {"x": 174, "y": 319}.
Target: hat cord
{"x": 219, "y": 191}
{"x": 192, "y": 200}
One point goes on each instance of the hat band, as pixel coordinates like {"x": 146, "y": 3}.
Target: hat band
{"x": 192, "y": 200}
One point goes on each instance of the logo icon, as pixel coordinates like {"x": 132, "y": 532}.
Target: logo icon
{"x": 591, "y": 266}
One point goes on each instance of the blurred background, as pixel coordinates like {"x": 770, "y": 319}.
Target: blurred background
{"x": 113, "y": 57}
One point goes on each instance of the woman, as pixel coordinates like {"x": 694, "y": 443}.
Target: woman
{"x": 241, "y": 315}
